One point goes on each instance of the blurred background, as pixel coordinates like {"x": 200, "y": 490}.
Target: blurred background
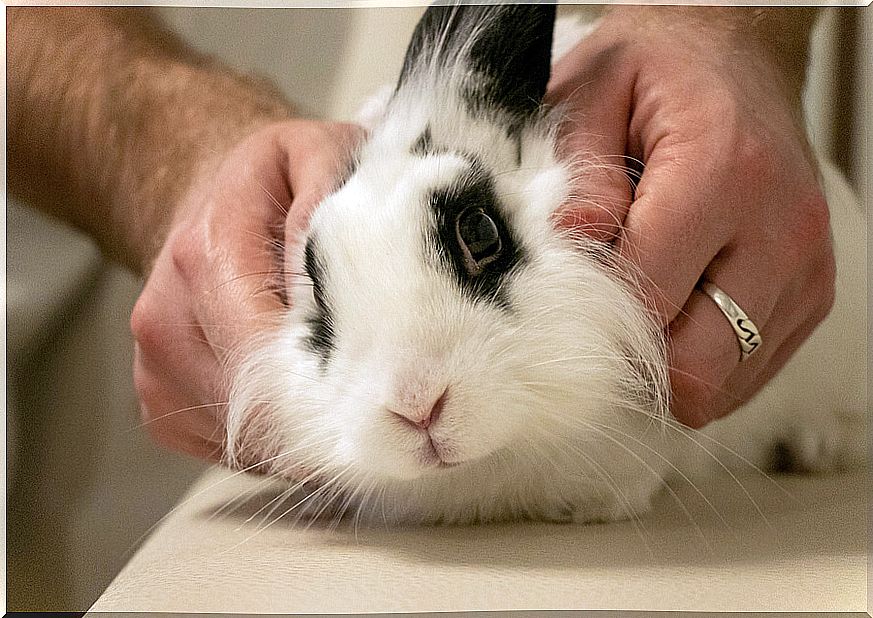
{"x": 84, "y": 484}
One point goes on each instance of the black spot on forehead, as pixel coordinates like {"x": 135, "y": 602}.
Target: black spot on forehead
{"x": 320, "y": 319}
{"x": 423, "y": 146}
{"x": 474, "y": 193}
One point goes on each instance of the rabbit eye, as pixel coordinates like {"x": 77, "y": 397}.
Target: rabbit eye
{"x": 479, "y": 238}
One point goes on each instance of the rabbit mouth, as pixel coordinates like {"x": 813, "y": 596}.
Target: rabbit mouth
{"x": 434, "y": 455}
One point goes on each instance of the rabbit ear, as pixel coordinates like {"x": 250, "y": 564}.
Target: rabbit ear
{"x": 498, "y": 56}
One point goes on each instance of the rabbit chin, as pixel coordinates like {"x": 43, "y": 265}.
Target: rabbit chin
{"x": 415, "y": 460}
{"x": 386, "y": 447}
{"x": 521, "y": 481}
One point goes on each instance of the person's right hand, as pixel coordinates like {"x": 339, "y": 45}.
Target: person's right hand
{"x": 217, "y": 277}
{"x": 729, "y": 192}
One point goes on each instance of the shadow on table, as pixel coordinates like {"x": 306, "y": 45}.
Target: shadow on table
{"x": 782, "y": 516}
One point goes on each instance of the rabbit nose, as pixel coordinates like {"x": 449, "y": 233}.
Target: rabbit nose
{"x": 422, "y": 416}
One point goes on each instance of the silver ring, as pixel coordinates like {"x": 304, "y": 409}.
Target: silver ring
{"x": 747, "y": 333}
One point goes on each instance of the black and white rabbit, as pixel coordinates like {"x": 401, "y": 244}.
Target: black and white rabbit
{"x": 449, "y": 356}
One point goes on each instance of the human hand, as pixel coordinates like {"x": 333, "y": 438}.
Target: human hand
{"x": 729, "y": 191}
{"x": 218, "y": 277}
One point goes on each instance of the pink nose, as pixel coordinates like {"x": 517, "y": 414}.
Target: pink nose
{"x": 423, "y": 417}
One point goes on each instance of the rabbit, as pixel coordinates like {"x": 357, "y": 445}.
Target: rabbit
{"x": 449, "y": 356}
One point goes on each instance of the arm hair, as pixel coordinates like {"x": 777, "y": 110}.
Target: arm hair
{"x": 110, "y": 115}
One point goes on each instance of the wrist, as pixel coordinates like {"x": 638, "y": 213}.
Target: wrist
{"x": 209, "y": 112}
{"x": 772, "y": 40}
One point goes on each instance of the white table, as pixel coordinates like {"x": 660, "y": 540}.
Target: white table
{"x": 806, "y": 550}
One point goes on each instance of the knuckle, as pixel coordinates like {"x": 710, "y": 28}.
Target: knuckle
{"x": 813, "y": 221}
{"x": 145, "y": 323}
{"x": 754, "y": 157}
{"x": 808, "y": 237}
{"x": 743, "y": 150}
{"x": 146, "y": 390}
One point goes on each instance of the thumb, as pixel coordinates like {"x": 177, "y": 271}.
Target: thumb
{"x": 594, "y": 89}
{"x": 317, "y": 154}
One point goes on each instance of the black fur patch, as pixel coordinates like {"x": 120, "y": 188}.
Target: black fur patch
{"x": 475, "y": 191}
{"x": 511, "y": 56}
{"x": 321, "y": 337}
{"x": 423, "y": 146}
{"x": 514, "y": 56}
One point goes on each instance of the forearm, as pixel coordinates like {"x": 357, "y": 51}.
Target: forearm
{"x": 110, "y": 117}
{"x": 780, "y": 36}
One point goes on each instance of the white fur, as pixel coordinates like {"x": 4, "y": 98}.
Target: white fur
{"x": 556, "y": 409}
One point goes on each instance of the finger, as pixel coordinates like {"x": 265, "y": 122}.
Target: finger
{"x": 703, "y": 352}
{"x": 709, "y": 379}
{"x": 165, "y": 328}
{"x": 244, "y": 243}
{"x": 176, "y": 373}
{"x": 187, "y": 443}
{"x": 245, "y": 239}
{"x": 673, "y": 230}
{"x": 589, "y": 82}
{"x": 169, "y": 421}
{"x": 176, "y": 402}
{"x": 705, "y": 348}
{"x": 319, "y": 158}
{"x": 786, "y": 331}
{"x": 319, "y": 162}
{"x": 231, "y": 258}
{"x": 755, "y": 285}
{"x": 192, "y": 434}
{"x": 775, "y": 362}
